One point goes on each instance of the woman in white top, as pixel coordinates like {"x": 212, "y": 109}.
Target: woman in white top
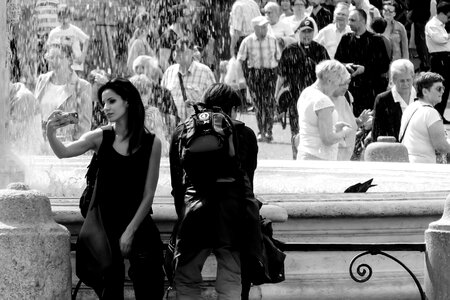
{"x": 320, "y": 132}
{"x": 299, "y": 8}
{"x": 422, "y": 130}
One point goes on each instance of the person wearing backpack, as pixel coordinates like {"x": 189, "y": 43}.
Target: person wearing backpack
{"x": 118, "y": 223}
{"x": 217, "y": 211}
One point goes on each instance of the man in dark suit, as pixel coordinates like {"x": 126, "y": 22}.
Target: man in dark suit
{"x": 365, "y": 57}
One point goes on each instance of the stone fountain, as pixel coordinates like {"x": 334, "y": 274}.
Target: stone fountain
{"x": 34, "y": 249}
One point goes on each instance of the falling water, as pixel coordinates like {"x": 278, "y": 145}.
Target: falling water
{"x": 109, "y": 24}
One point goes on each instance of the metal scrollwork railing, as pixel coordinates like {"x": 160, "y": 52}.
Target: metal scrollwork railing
{"x": 364, "y": 271}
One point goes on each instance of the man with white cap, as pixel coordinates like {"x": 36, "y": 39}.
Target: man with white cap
{"x": 261, "y": 53}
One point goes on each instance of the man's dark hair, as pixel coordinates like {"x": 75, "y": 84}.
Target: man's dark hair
{"x": 379, "y": 25}
{"x": 362, "y": 14}
{"x": 223, "y": 96}
{"x": 443, "y": 7}
{"x": 425, "y": 80}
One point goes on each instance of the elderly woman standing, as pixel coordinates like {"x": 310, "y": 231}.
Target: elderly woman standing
{"x": 320, "y": 132}
{"x": 61, "y": 89}
{"x": 389, "y": 106}
{"x": 422, "y": 130}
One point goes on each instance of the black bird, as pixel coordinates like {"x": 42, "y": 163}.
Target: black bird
{"x": 360, "y": 187}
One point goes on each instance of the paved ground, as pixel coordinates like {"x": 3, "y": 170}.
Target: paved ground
{"x": 280, "y": 148}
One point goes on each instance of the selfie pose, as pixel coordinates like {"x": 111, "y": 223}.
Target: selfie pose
{"x": 128, "y": 157}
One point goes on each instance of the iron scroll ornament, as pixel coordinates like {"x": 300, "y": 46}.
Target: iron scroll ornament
{"x": 362, "y": 269}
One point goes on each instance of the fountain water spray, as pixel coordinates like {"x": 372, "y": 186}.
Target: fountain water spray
{"x": 10, "y": 167}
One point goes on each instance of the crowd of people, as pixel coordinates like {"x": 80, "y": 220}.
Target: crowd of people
{"x": 277, "y": 45}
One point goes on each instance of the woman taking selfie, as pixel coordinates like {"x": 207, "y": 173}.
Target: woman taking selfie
{"x": 129, "y": 158}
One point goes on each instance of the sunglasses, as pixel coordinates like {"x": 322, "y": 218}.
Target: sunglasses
{"x": 391, "y": 11}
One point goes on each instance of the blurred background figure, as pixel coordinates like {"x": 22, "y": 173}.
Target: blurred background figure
{"x": 299, "y": 7}
{"x": 395, "y": 31}
{"x": 366, "y": 58}
{"x": 23, "y": 125}
{"x": 153, "y": 121}
{"x": 370, "y": 10}
{"x": 286, "y": 8}
{"x": 320, "y": 14}
{"x": 438, "y": 43}
{"x": 313, "y": 50}
{"x": 61, "y": 89}
{"x": 331, "y": 35}
{"x": 71, "y": 35}
{"x": 278, "y": 27}
{"x": 46, "y": 16}
{"x": 187, "y": 79}
{"x": 241, "y": 15}
{"x": 389, "y": 106}
{"x": 418, "y": 15}
{"x": 422, "y": 130}
{"x": 138, "y": 45}
{"x": 260, "y": 52}
{"x": 320, "y": 131}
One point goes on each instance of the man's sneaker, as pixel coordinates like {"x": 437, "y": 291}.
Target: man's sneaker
{"x": 269, "y": 138}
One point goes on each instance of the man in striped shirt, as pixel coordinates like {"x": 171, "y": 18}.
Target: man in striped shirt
{"x": 187, "y": 80}
{"x": 261, "y": 53}
{"x": 46, "y": 18}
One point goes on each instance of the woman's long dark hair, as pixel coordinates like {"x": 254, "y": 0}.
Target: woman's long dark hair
{"x": 136, "y": 113}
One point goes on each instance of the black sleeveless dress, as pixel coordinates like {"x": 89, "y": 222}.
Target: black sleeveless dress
{"x": 120, "y": 188}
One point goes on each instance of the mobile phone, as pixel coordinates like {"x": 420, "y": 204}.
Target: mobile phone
{"x": 72, "y": 117}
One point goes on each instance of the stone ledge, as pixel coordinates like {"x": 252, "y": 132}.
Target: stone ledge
{"x": 358, "y": 205}
{"x": 66, "y": 211}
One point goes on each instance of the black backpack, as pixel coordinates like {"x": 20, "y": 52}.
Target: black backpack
{"x": 208, "y": 145}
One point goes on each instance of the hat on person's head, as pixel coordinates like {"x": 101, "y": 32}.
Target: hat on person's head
{"x": 306, "y": 25}
{"x": 259, "y": 21}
